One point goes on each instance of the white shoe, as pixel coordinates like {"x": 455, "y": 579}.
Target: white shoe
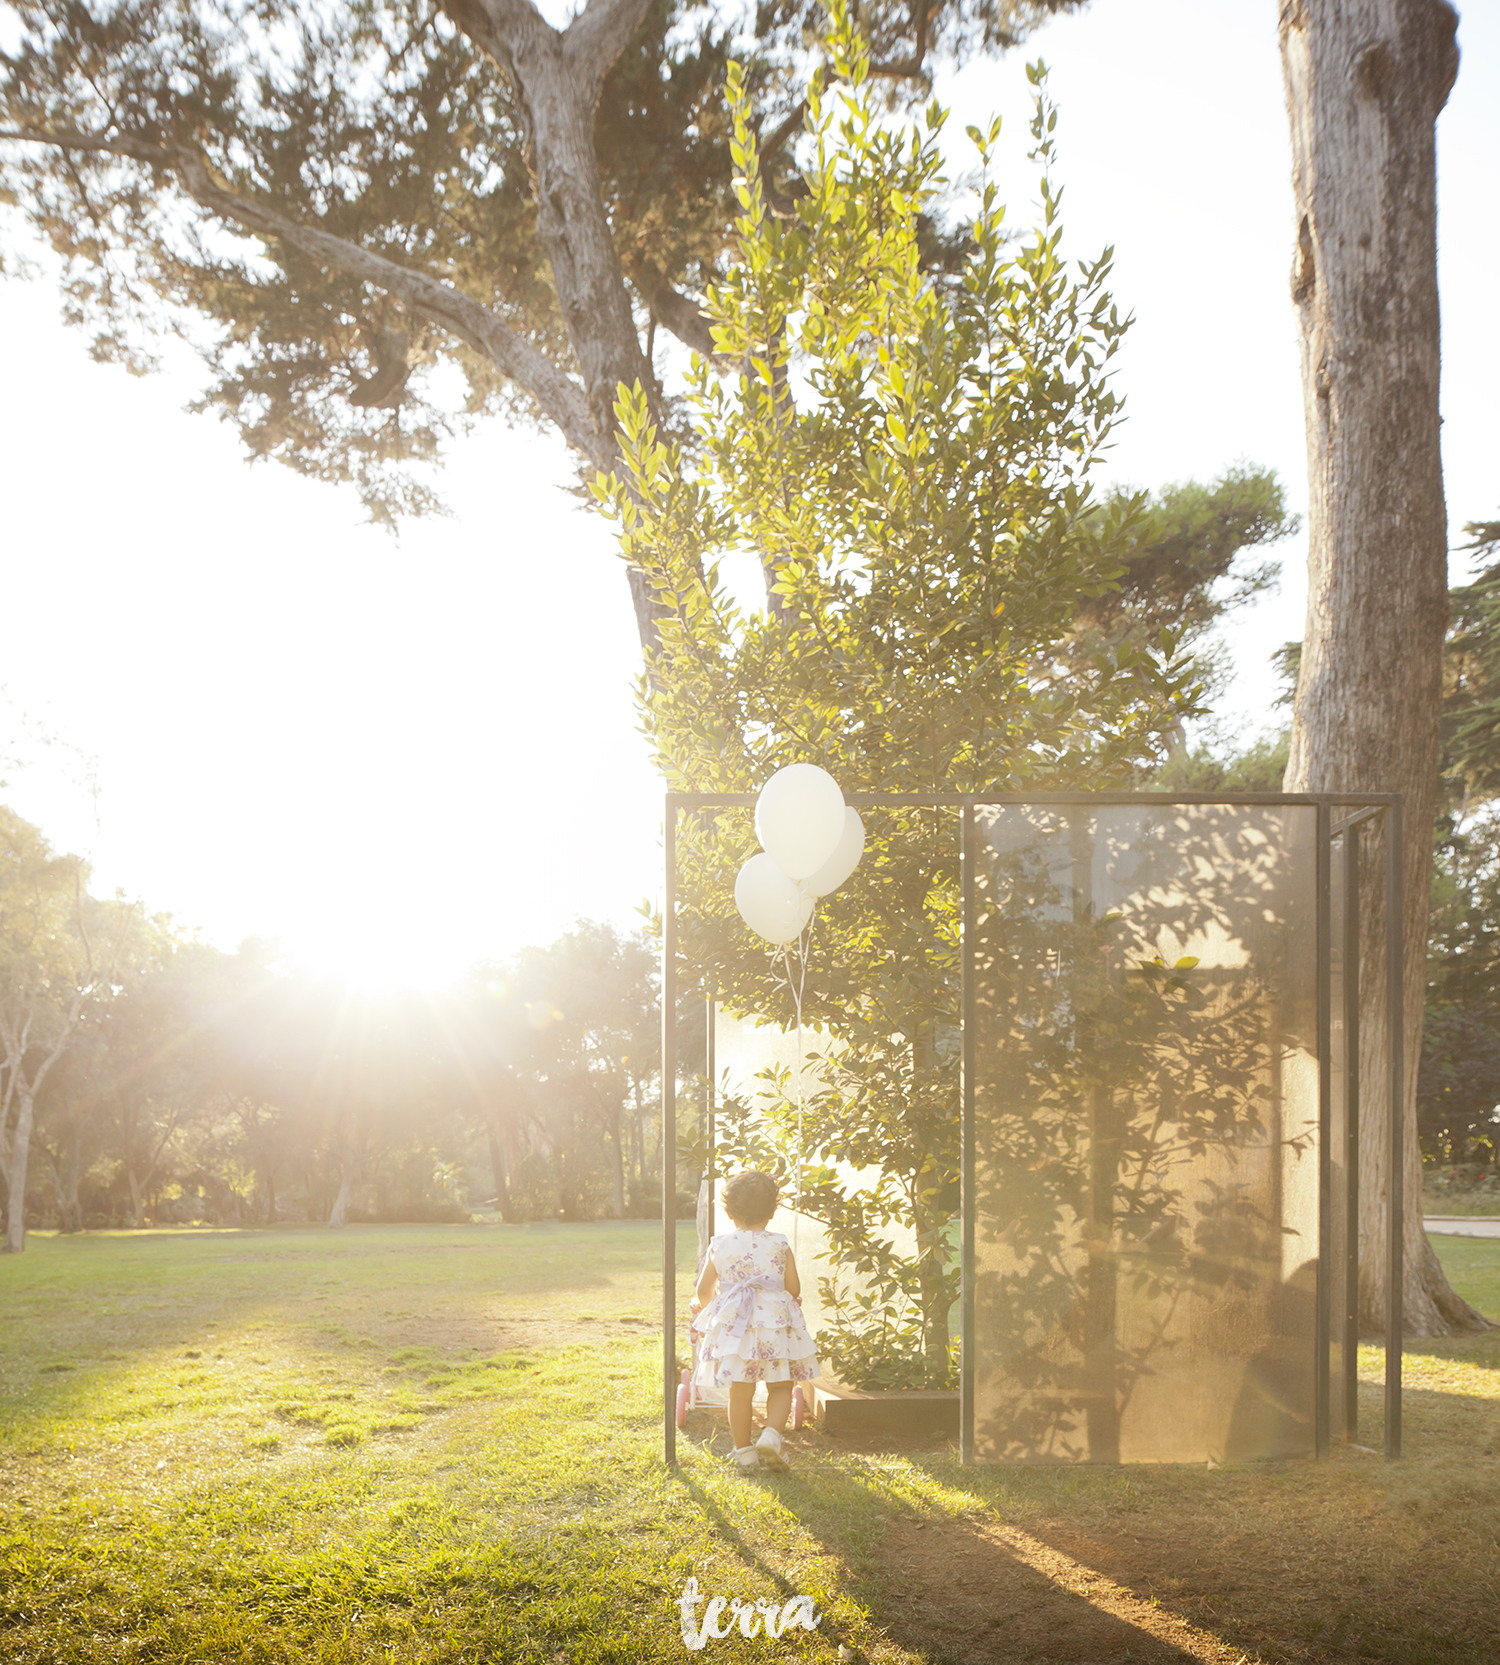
{"x": 771, "y": 1455}
{"x": 747, "y": 1456}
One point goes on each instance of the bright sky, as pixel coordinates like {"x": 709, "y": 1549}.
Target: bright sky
{"x": 402, "y": 757}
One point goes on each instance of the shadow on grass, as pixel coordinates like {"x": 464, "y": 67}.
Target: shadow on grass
{"x": 1290, "y": 1560}
{"x": 968, "y": 1586}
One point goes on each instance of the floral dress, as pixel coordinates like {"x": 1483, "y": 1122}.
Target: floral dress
{"x": 752, "y": 1330}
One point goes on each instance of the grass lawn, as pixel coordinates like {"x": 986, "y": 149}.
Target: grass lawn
{"x": 441, "y": 1443}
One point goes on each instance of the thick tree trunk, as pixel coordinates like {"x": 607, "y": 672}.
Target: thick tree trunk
{"x": 20, "y": 1150}
{"x": 1365, "y": 81}
{"x": 555, "y": 76}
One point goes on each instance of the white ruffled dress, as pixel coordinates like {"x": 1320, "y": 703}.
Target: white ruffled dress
{"x": 752, "y": 1330}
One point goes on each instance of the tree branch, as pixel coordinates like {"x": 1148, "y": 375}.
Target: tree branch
{"x": 783, "y": 204}
{"x": 597, "y": 36}
{"x": 555, "y": 393}
{"x": 782, "y": 131}
{"x": 684, "y": 317}
{"x": 505, "y": 29}
{"x": 899, "y": 69}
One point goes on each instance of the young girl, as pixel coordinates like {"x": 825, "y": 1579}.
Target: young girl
{"x": 752, "y": 1330}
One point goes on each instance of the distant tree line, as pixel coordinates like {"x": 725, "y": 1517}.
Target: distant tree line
{"x": 153, "y": 1079}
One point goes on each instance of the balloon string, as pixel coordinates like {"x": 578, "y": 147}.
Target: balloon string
{"x": 796, "y": 990}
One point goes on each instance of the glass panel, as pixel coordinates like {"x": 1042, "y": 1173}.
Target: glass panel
{"x": 1146, "y": 1123}
{"x": 745, "y": 1051}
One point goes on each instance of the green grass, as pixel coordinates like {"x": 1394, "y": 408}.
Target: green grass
{"x": 1473, "y": 1266}
{"x": 1482, "y": 1202}
{"x": 442, "y": 1443}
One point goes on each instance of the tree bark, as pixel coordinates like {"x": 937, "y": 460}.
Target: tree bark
{"x": 555, "y": 76}
{"x": 1365, "y": 80}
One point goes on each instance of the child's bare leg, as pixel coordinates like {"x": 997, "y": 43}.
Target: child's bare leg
{"x": 740, "y": 1395}
{"x": 778, "y": 1405}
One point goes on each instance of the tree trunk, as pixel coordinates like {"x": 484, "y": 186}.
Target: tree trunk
{"x": 1365, "y": 81}
{"x": 498, "y": 1169}
{"x": 341, "y": 1201}
{"x": 20, "y": 1150}
{"x": 137, "y": 1196}
{"x": 555, "y": 76}
{"x": 616, "y": 1142}
{"x": 65, "y": 1174}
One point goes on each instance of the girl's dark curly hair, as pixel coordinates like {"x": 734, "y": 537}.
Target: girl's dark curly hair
{"x": 751, "y": 1197}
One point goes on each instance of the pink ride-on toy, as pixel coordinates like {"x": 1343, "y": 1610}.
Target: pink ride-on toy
{"x": 690, "y": 1397}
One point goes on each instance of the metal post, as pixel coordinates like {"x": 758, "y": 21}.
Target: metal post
{"x": 712, "y": 1104}
{"x": 966, "y": 1143}
{"x": 1321, "y": 1326}
{"x": 1351, "y": 1131}
{"x": 669, "y": 1139}
{"x": 1395, "y": 978}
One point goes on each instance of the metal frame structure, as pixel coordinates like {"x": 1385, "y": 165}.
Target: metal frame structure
{"x": 1355, "y": 810}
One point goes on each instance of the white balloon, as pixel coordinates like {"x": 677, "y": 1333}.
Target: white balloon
{"x": 772, "y": 905}
{"x": 799, "y": 818}
{"x": 843, "y": 861}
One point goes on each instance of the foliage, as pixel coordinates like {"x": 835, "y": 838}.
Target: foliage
{"x": 1256, "y": 766}
{"x": 126, "y": 1077}
{"x": 565, "y": 1041}
{"x": 1471, "y": 678}
{"x": 1458, "y": 1089}
{"x": 1464, "y": 947}
{"x": 409, "y": 133}
{"x": 1186, "y": 569}
{"x": 906, "y": 452}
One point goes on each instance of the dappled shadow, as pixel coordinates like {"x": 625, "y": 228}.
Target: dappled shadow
{"x": 1146, "y": 1115}
{"x": 1287, "y": 1559}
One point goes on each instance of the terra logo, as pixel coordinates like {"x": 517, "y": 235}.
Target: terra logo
{"x": 754, "y": 1618}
